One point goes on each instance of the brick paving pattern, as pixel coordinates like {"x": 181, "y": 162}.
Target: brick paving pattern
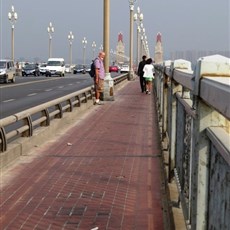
{"x": 103, "y": 173}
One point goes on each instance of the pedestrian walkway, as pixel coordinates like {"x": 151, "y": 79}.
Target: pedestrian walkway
{"x": 102, "y": 173}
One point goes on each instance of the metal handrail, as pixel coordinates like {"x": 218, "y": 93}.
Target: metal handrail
{"x": 194, "y": 113}
{"x": 42, "y": 115}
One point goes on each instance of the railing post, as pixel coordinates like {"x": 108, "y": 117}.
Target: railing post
{"x": 3, "y": 140}
{"x": 157, "y": 87}
{"x": 59, "y": 108}
{"x": 166, "y": 83}
{"x": 45, "y": 113}
{"x": 174, "y": 88}
{"x": 29, "y": 132}
{"x": 165, "y": 105}
{"x": 70, "y": 105}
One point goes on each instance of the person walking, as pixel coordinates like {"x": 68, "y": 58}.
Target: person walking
{"x": 99, "y": 76}
{"x": 148, "y": 74}
{"x": 140, "y": 73}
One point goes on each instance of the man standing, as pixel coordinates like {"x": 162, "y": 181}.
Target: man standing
{"x": 99, "y": 76}
{"x": 140, "y": 73}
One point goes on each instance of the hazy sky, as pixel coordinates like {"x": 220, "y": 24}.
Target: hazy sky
{"x": 184, "y": 25}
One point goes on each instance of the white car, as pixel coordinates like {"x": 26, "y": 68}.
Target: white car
{"x": 7, "y": 71}
{"x": 42, "y": 68}
{"x": 67, "y": 68}
{"x": 55, "y": 66}
{"x": 124, "y": 68}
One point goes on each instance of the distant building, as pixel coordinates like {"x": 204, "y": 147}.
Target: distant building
{"x": 158, "y": 54}
{"x": 120, "y": 49}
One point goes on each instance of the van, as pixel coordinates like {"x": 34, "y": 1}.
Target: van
{"x": 55, "y": 66}
{"x": 7, "y": 71}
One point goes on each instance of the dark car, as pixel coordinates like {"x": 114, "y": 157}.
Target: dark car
{"x": 30, "y": 69}
{"x": 79, "y": 69}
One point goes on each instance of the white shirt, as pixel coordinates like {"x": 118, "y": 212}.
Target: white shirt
{"x": 148, "y": 70}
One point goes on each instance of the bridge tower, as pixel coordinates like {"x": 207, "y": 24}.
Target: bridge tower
{"x": 120, "y": 49}
{"x": 158, "y": 54}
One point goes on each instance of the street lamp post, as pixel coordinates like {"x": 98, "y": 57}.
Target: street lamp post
{"x": 50, "y": 30}
{"x": 108, "y": 93}
{"x": 142, "y": 40}
{"x": 84, "y": 42}
{"x": 12, "y": 16}
{"x": 145, "y": 45}
{"x": 138, "y": 17}
{"x": 101, "y": 47}
{"x": 141, "y": 47}
{"x": 94, "y": 47}
{"x": 131, "y": 6}
{"x": 70, "y": 38}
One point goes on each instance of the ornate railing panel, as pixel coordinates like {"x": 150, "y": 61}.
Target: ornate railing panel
{"x": 196, "y": 102}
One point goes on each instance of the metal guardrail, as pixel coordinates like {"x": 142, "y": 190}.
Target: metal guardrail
{"x": 41, "y": 115}
{"x": 24, "y": 123}
{"x": 119, "y": 79}
{"x": 194, "y": 113}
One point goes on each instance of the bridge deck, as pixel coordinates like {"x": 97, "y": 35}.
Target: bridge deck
{"x": 105, "y": 172}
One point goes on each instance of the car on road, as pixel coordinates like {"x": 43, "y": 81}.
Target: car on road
{"x": 79, "y": 69}
{"x": 55, "y": 66}
{"x": 113, "y": 68}
{"x": 124, "y": 68}
{"x": 68, "y": 68}
{"x": 42, "y": 68}
{"x": 87, "y": 68}
{"x": 7, "y": 71}
{"x": 31, "y": 69}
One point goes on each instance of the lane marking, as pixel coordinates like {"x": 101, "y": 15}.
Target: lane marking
{"x": 27, "y": 83}
{"x": 8, "y": 100}
{"x": 32, "y": 94}
{"x": 47, "y": 90}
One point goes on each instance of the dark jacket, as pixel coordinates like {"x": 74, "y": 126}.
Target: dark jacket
{"x": 140, "y": 71}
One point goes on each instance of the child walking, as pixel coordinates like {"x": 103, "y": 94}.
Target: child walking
{"x": 148, "y": 74}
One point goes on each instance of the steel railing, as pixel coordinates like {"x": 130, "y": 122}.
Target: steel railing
{"x": 194, "y": 114}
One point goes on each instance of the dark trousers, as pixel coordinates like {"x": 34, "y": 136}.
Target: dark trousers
{"x": 142, "y": 84}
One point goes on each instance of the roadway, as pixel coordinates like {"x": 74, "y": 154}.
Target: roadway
{"x": 30, "y": 91}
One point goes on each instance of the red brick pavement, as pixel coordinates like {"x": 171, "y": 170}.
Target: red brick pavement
{"x": 102, "y": 173}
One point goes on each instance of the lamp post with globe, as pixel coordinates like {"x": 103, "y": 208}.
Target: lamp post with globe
{"x": 94, "y": 47}
{"x": 138, "y": 18}
{"x": 101, "y": 47}
{"x": 70, "y": 38}
{"x": 131, "y": 6}
{"x": 84, "y": 42}
{"x": 12, "y": 16}
{"x": 50, "y": 30}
